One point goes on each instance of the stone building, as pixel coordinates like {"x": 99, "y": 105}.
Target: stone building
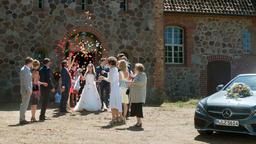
{"x": 207, "y": 42}
{"x": 185, "y": 45}
{"x": 43, "y": 28}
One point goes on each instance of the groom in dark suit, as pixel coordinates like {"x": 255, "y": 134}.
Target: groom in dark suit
{"x": 66, "y": 84}
{"x": 104, "y": 86}
{"x": 45, "y": 76}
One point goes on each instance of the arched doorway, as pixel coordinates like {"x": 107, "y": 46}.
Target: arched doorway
{"x": 82, "y": 45}
{"x": 83, "y": 48}
{"x": 218, "y": 72}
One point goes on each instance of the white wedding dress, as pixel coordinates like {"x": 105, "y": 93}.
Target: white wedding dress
{"x": 90, "y": 99}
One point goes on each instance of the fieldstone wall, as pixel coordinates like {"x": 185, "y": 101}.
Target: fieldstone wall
{"x": 26, "y": 29}
{"x": 182, "y": 82}
{"x": 207, "y": 36}
{"x": 215, "y": 36}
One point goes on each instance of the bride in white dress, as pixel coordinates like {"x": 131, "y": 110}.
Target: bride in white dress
{"x": 90, "y": 99}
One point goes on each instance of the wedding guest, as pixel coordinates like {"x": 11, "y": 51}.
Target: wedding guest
{"x": 57, "y": 85}
{"x": 72, "y": 68}
{"x": 82, "y": 84}
{"x": 70, "y": 102}
{"x": 77, "y": 85}
{"x": 66, "y": 84}
{"x": 124, "y": 78}
{"x": 119, "y": 56}
{"x": 45, "y": 76}
{"x": 138, "y": 88}
{"x": 115, "y": 98}
{"x": 25, "y": 88}
{"x": 104, "y": 86}
{"x": 122, "y": 56}
{"x": 72, "y": 91}
{"x": 70, "y": 60}
{"x": 36, "y": 93}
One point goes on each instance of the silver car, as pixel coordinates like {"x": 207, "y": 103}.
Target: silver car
{"x": 220, "y": 113}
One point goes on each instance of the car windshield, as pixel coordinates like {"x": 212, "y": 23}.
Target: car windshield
{"x": 249, "y": 80}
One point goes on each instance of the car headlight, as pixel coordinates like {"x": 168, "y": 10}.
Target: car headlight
{"x": 254, "y": 111}
{"x": 200, "y": 108}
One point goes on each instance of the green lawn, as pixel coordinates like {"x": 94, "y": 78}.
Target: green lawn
{"x": 170, "y": 106}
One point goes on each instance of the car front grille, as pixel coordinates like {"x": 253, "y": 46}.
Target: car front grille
{"x": 237, "y": 113}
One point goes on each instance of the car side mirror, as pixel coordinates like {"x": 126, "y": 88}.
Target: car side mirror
{"x": 219, "y": 87}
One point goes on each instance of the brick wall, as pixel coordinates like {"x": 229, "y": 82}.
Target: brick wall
{"x": 207, "y": 38}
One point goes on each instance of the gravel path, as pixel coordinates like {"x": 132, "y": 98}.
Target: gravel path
{"x": 162, "y": 125}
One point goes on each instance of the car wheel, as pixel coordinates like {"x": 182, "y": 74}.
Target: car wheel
{"x": 205, "y": 132}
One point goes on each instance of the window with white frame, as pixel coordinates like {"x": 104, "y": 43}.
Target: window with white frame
{"x": 247, "y": 42}
{"x": 174, "y": 45}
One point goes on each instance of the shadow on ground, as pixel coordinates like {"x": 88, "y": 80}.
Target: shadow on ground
{"x": 57, "y": 114}
{"x": 226, "y": 138}
{"x": 20, "y": 125}
{"x": 131, "y": 128}
{"x": 16, "y": 106}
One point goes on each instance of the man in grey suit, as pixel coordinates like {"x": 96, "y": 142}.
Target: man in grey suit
{"x": 25, "y": 88}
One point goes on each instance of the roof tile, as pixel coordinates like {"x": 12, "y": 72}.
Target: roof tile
{"x": 227, "y": 7}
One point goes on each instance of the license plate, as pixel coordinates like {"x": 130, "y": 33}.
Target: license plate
{"x": 232, "y": 123}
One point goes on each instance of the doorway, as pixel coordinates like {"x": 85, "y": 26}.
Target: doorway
{"x": 83, "y": 48}
{"x": 218, "y": 72}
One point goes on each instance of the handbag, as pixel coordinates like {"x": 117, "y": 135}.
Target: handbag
{"x": 128, "y": 91}
{"x": 57, "y": 97}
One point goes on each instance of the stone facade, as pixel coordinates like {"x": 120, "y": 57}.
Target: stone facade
{"x": 208, "y": 38}
{"x": 26, "y": 30}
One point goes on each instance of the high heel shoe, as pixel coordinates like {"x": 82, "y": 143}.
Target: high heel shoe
{"x": 113, "y": 122}
{"x": 33, "y": 120}
{"x": 121, "y": 120}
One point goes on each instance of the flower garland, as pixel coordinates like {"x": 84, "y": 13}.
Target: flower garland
{"x": 239, "y": 90}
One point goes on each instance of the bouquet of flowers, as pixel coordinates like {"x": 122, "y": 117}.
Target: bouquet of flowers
{"x": 239, "y": 90}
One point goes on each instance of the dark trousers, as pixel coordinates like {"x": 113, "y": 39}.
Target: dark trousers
{"x": 45, "y": 94}
{"x": 104, "y": 91}
{"x": 64, "y": 100}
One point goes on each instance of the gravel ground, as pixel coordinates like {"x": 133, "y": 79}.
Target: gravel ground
{"x": 162, "y": 125}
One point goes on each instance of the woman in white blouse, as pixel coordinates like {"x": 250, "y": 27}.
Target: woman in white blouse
{"x": 115, "y": 97}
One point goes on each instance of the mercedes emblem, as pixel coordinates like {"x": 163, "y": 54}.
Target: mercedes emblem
{"x": 226, "y": 113}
